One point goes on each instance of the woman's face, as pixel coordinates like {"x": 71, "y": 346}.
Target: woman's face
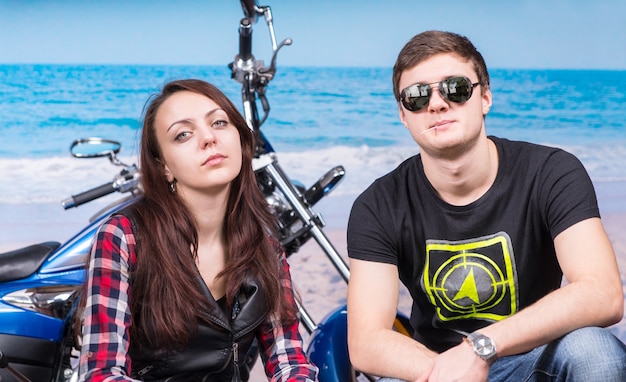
{"x": 201, "y": 148}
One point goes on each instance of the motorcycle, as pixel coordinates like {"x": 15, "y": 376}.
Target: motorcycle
{"x": 39, "y": 284}
{"x": 291, "y": 203}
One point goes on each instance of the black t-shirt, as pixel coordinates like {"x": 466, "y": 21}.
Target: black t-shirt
{"x": 468, "y": 266}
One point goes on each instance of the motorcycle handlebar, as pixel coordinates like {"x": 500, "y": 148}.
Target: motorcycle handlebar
{"x": 245, "y": 39}
{"x": 89, "y": 195}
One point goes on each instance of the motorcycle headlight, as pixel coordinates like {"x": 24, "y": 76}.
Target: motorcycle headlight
{"x": 54, "y": 301}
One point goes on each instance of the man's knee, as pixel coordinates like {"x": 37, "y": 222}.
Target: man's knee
{"x": 591, "y": 349}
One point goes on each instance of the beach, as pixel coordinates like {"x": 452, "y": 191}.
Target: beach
{"x": 322, "y": 289}
{"x": 321, "y": 117}
{"x": 317, "y": 282}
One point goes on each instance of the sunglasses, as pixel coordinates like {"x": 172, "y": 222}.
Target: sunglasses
{"x": 454, "y": 89}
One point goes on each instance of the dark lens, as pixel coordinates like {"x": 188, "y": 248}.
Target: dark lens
{"x": 456, "y": 89}
{"x": 415, "y": 97}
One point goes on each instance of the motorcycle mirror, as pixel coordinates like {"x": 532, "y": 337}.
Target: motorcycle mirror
{"x": 250, "y": 9}
{"x": 94, "y": 148}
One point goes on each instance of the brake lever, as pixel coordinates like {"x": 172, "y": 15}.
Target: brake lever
{"x": 269, "y": 72}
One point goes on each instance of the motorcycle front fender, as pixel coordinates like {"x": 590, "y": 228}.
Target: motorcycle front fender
{"x": 328, "y": 347}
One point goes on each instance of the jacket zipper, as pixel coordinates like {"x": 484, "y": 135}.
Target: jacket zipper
{"x": 236, "y": 374}
{"x": 236, "y": 353}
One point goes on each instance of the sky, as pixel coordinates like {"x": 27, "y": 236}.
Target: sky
{"x": 540, "y": 34}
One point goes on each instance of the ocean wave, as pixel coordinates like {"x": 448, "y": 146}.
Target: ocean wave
{"x": 50, "y": 180}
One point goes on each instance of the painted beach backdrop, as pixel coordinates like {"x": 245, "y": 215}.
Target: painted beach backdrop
{"x": 320, "y": 117}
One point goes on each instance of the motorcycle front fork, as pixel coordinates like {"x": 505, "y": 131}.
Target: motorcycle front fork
{"x": 311, "y": 223}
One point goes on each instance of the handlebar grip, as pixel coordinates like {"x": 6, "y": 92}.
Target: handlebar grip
{"x": 89, "y": 195}
{"x": 245, "y": 39}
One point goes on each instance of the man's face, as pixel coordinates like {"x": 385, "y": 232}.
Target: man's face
{"x": 443, "y": 126}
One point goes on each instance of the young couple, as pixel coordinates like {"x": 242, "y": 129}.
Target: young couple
{"x": 480, "y": 229}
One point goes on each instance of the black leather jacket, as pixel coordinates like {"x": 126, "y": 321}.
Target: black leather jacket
{"x": 216, "y": 352}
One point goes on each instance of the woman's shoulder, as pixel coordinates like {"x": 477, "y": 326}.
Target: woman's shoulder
{"x": 117, "y": 227}
{"x": 116, "y": 239}
{"x": 117, "y": 221}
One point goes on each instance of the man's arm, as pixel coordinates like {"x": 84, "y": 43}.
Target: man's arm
{"x": 372, "y": 305}
{"x": 592, "y": 297}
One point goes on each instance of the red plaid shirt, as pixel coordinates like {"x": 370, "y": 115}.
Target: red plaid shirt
{"x": 104, "y": 352}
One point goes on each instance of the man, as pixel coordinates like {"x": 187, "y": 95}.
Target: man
{"x": 481, "y": 231}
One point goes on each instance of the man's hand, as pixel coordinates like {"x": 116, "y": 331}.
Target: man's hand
{"x": 459, "y": 363}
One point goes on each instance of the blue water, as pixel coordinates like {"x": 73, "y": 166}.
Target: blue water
{"x": 319, "y": 117}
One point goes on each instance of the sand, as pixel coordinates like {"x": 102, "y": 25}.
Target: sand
{"x": 320, "y": 286}
{"x": 322, "y": 289}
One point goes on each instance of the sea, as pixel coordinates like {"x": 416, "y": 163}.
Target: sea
{"x": 319, "y": 117}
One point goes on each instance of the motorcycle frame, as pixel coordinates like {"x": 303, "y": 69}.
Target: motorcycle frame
{"x": 328, "y": 340}
{"x": 328, "y": 347}
{"x": 254, "y": 77}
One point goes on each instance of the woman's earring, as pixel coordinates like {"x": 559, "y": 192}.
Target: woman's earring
{"x": 172, "y": 186}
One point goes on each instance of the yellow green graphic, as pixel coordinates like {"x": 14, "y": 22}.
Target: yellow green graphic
{"x": 472, "y": 278}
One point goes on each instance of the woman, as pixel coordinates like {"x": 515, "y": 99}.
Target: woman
{"x": 185, "y": 280}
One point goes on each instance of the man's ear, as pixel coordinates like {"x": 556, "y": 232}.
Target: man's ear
{"x": 487, "y": 101}
{"x": 402, "y": 116}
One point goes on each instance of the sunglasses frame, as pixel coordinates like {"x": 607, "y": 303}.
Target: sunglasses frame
{"x": 443, "y": 87}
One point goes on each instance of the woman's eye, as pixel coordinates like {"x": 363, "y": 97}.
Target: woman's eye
{"x": 182, "y": 135}
{"x": 220, "y": 123}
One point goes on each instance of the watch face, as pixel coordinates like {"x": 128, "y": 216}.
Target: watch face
{"x": 483, "y": 346}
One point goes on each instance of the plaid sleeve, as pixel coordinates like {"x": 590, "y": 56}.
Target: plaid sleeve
{"x": 281, "y": 345}
{"x": 107, "y": 317}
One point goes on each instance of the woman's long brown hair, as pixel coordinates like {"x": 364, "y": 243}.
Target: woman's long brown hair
{"x": 166, "y": 302}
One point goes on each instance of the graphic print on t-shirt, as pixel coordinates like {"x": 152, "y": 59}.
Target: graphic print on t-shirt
{"x": 472, "y": 278}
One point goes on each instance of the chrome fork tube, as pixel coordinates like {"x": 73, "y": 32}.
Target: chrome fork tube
{"x": 309, "y": 219}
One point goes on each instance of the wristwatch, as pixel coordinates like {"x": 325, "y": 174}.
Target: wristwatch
{"x": 483, "y": 346}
